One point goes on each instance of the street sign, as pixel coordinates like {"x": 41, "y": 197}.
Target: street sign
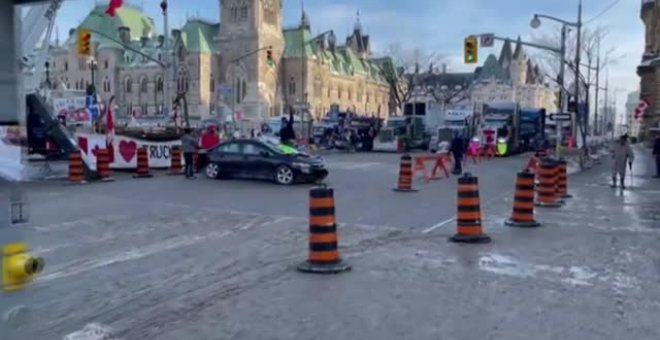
{"x": 560, "y": 116}
{"x": 487, "y": 40}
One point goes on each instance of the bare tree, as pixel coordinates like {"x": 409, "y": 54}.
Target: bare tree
{"x": 408, "y": 68}
{"x": 593, "y": 55}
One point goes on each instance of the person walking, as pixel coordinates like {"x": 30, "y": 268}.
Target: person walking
{"x": 622, "y": 155}
{"x": 457, "y": 150}
{"x": 287, "y": 133}
{"x": 189, "y": 146}
{"x": 656, "y": 153}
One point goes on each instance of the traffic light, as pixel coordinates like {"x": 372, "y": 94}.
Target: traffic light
{"x": 471, "y": 50}
{"x": 269, "y": 57}
{"x": 84, "y": 42}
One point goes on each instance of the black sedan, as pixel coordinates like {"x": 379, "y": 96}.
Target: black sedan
{"x": 263, "y": 159}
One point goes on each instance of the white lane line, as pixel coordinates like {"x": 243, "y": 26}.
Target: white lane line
{"x": 484, "y": 206}
{"x": 428, "y": 230}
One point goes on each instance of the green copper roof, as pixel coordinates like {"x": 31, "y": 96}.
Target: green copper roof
{"x": 492, "y": 69}
{"x": 294, "y": 39}
{"x": 197, "y": 36}
{"x": 127, "y": 15}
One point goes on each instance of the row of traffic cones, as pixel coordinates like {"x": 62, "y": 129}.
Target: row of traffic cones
{"x": 77, "y": 173}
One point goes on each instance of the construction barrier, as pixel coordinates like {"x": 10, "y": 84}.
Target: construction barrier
{"x": 563, "y": 179}
{"x": 405, "y": 175}
{"x": 323, "y": 241}
{"x": 468, "y": 217}
{"x": 76, "y": 168}
{"x": 546, "y": 194}
{"x": 142, "y": 170}
{"x": 176, "y": 164}
{"x": 523, "y": 202}
{"x": 103, "y": 165}
{"x": 439, "y": 163}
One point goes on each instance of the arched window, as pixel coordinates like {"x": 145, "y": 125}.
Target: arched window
{"x": 233, "y": 13}
{"x": 292, "y": 87}
{"x": 339, "y": 92}
{"x": 66, "y": 66}
{"x": 244, "y": 12}
{"x": 211, "y": 84}
{"x": 159, "y": 84}
{"x": 82, "y": 84}
{"x": 182, "y": 81}
{"x": 105, "y": 64}
{"x": 128, "y": 85}
{"x": 106, "y": 84}
{"x": 144, "y": 84}
{"x": 243, "y": 89}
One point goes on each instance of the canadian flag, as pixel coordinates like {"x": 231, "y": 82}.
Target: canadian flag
{"x": 113, "y": 6}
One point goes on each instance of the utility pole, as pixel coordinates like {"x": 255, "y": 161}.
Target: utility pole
{"x": 168, "y": 62}
{"x": 607, "y": 103}
{"x": 577, "y": 76}
{"x": 596, "y": 130}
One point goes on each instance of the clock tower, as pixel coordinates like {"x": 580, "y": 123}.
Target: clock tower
{"x": 247, "y": 29}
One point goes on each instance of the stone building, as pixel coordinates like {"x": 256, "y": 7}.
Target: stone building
{"x": 223, "y": 68}
{"x": 512, "y": 77}
{"x": 633, "y": 125}
{"x": 649, "y": 69}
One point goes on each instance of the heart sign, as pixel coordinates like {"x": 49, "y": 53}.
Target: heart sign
{"x": 127, "y": 150}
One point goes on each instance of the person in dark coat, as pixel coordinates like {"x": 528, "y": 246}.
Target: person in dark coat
{"x": 656, "y": 153}
{"x": 287, "y": 133}
{"x": 457, "y": 150}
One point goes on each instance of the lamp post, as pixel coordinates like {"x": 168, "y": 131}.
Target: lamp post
{"x": 93, "y": 66}
{"x": 536, "y": 23}
{"x": 47, "y": 65}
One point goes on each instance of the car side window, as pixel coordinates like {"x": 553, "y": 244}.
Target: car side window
{"x": 250, "y": 149}
{"x": 230, "y": 148}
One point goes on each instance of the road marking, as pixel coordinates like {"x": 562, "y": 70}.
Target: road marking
{"x": 486, "y": 204}
{"x": 428, "y": 230}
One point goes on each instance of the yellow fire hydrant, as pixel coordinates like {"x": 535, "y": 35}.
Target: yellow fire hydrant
{"x": 18, "y": 266}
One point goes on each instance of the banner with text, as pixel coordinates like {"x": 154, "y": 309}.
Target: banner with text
{"x": 124, "y": 150}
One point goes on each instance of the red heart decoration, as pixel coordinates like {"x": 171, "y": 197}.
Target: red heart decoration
{"x": 95, "y": 151}
{"x": 127, "y": 150}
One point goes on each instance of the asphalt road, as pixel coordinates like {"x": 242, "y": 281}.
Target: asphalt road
{"x": 168, "y": 258}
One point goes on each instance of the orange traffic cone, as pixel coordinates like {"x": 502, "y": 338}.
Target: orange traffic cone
{"x": 76, "y": 171}
{"x": 468, "y": 218}
{"x": 323, "y": 241}
{"x": 546, "y": 192}
{"x": 523, "y": 202}
{"x": 563, "y": 180}
{"x": 142, "y": 164}
{"x": 176, "y": 166}
{"x": 405, "y": 175}
{"x": 103, "y": 165}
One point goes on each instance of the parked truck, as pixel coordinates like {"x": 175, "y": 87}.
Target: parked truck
{"x": 513, "y": 128}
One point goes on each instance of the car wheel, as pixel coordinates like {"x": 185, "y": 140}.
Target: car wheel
{"x": 284, "y": 175}
{"x": 212, "y": 170}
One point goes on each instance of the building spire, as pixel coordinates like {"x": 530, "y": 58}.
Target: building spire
{"x": 358, "y": 25}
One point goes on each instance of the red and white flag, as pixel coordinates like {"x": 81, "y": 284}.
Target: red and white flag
{"x": 113, "y": 6}
{"x": 110, "y": 129}
{"x": 641, "y": 108}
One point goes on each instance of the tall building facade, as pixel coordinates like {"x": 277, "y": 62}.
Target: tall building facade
{"x": 223, "y": 68}
{"x": 633, "y": 125}
{"x": 649, "y": 69}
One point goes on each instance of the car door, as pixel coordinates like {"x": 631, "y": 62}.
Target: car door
{"x": 256, "y": 160}
{"x": 228, "y": 157}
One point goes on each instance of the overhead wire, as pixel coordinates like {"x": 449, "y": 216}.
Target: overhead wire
{"x": 607, "y": 9}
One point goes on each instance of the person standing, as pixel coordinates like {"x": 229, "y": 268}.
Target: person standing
{"x": 656, "y": 153}
{"x": 287, "y": 133}
{"x": 622, "y": 155}
{"x": 188, "y": 146}
{"x": 457, "y": 150}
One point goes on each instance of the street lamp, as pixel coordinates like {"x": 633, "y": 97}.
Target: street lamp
{"x": 93, "y": 67}
{"x": 536, "y": 23}
{"x": 47, "y": 65}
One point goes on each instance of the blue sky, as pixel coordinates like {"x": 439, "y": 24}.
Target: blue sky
{"x": 432, "y": 25}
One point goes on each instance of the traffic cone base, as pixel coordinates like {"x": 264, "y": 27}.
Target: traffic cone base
{"x": 107, "y": 179}
{"x": 143, "y": 176}
{"x": 567, "y": 196}
{"x": 405, "y": 190}
{"x": 557, "y": 204}
{"x": 481, "y": 238}
{"x": 324, "y": 268}
{"x": 77, "y": 182}
{"x": 512, "y": 223}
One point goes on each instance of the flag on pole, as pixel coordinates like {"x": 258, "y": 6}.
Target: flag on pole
{"x": 113, "y": 6}
{"x": 110, "y": 129}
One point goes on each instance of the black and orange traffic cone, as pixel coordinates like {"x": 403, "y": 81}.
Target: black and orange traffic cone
{"x": 563, "y": 180}
{"x": 103, "y": 165}
{"x": 546, "y": 192}
{"x": 468, "y": 218}
{"x": 176, "y": 165}
{"x": 405, "y": 175}
{"x": 323, "y": 241}
{"x": 142, "y": 164}
{"x": 523, "y": 202}
{"x": 76, "y": 170}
